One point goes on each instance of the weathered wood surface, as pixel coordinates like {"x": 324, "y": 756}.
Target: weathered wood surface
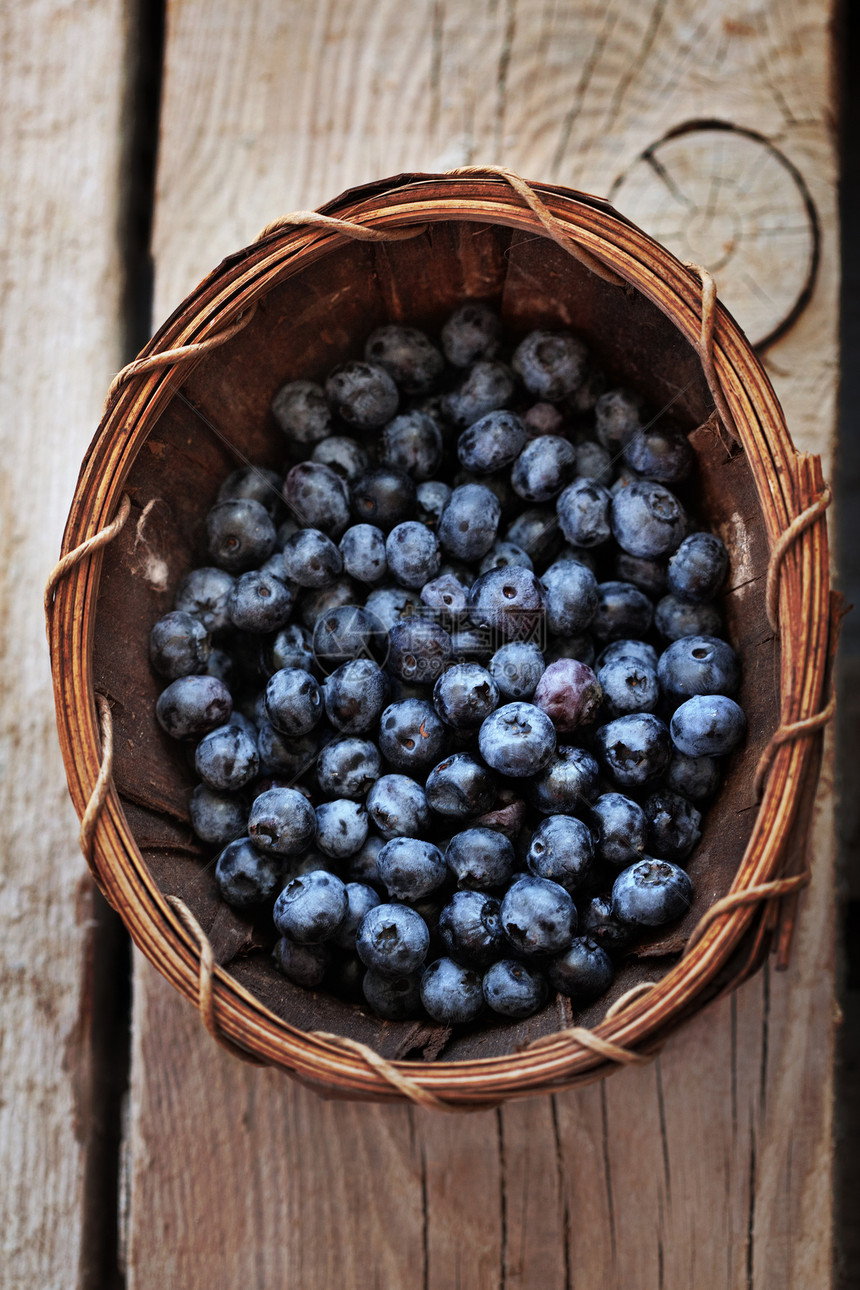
{"x": 62, "y": 82}
{"x": 712, "y": 1166}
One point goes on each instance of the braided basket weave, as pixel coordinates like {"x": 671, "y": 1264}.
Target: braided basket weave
{"x": 294, "y": 303}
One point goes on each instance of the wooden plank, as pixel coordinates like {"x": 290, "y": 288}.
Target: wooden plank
{"x": 62, "y": 73}
{"x": 713, "y": 1165}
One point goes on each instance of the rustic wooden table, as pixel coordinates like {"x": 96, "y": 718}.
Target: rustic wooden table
{"x": 711, "y": 1167}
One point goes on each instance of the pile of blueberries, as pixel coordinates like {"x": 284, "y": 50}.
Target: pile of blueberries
{"x": 455, "y": 685}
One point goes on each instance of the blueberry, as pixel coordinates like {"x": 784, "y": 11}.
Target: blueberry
{"x": 659, "y": 453}
{"x": 492, "y": 442}
{"x": 341, "y": 827}
{"x": 561, "y": 849}
{"x": 360, "y": 900}
{"x": 480, "y": 859}
{"x": 516, "y": 669}
{"x": 193, "y": 705}
{"x": 311, "y": 559}
{"x": 282, "y": 821}
{"x": 301, "y": 411}
{"x": 260, "y": 602}
{"x": 583, "y": 513}
{"x": 698, "y": 568}
{"x": 431, "y": 497}
{"x": 179, "y": 645}
{"x": 650, "y": 893}
{"x": 471, "y": 928}
{"x": 487, "y": 386}
{"x": 411, "y": 736}
{"x": 407, "y": 355}
{"x": 517, "y": 740}
{"x": 226, "y": 759}
{"x": 217, "y": 818}
{"x": 361, "y": 867}
{"x": 204, "y": 593}
{"x": 398, "y": 807}
{"x": 345, "y": 634}
{"x": 393, "y": 940}
{"x": 220, "y": 664}
{"x": 348, "y": 768}
{"x": 673, "y": 825}
{"x": 570, "y": 597}
{"x": 354, "y": 695}
{"x": 543, "y": 418}
{"x": 648, "y": 575}
{"x": 617, "y": 417}
{"x": 447, "y": 596}
{"x": 647, "y": 520}
{"x": 245, "y": 876}
{"x": 316, "y": 601}
{"x": 599, "y": 924}
{"x": 362, "y": 551}
{"x": 342, "y": 455}
{"x": 392, "y": 605}
{"x": 393, "y": 998}
{"x": 708, "y": 725}
{"x": 675, "y": 618}
{"x": 410, "y": 868}
{"x": 317, "y": 497}
{"x": 620, "y": 829}
{"x": 291, "y": 648}
{"x": 412, "y": 443}
{"x": 509, "y": 602}
{"x": 698, "y": 665}
{"x": 255, "y": 483}
{"x": 311, "y": 907}
{"x": 239, "y": 534}
{"x": 503, "y": 555}
{"x": 536, "y": 531}
{"x": 287, "y": 756}
{"x": 584, "y": 971}
{"x": 363, "y": 394}
{"x": 418, "y": 650}
{"x": 634, "y": 748}
{"x": 636, "y": 651}
{"x": 460, "y": 787}
{"x": 567, "y": 784}
{"x": 294, "y": 701}
{"x": 569, "y": 694}
{"x": 304, "y": 965}
{"x": 628, "y": 686}
{"x": 550, "y": 363}
{"x": 412, "y": 552}
{"x": 623, "y": 611}
{"x": 465, "y": 695}
{"x": 451, "y": 994}
{"x": 470, "y": 333}
{"x": 469, "y": 523}
{"x": 513, "y": 989}
{"x": 593, "y": 462}
{"x": 543, "y": 468}
{"x": 695, "y": 777}
{"x": 383, "y": 497}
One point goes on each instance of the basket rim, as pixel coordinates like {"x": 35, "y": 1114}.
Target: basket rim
{"x": 786, "y": 483}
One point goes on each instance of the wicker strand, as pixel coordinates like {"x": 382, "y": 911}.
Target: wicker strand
{"x": 71, "y": 558}
{"x": 361, "y": 232}
{"x": 410, "y": 1088}
{"x": 784, "y": 735}
{"x": 750, "y": 896}
{"x": 706, "y": 346}
{"x": 579, "y": 1036}
{"x": 90, "y": 817}
{"x": 781, "y": 547}
{"x": 554, "y": 227}
{"x": 205, "y": 990}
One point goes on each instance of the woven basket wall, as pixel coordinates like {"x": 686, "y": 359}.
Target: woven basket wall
{"x": 315, "y": 294}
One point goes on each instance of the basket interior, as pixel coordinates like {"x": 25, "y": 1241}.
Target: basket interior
{"x": 305, "y": 325}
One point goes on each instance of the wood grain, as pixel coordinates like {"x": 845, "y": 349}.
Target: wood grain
{"x": 62, "y": 83}
{"x": 711, "y": 1167}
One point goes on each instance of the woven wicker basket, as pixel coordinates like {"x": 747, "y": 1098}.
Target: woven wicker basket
{"x": 294, "y": 303}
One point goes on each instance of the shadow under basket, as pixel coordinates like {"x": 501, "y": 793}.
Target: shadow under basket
{"x": 293, "y": 304}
